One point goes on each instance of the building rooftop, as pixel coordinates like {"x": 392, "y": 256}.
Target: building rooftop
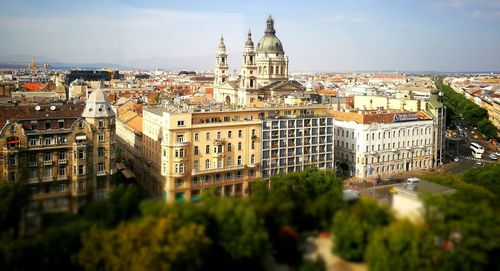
{"x": 379, "y": 116}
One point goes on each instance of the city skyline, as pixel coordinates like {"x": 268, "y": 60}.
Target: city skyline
{"x": 452, "y": 35}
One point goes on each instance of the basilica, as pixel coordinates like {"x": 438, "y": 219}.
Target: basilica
{"x": 264, "y": 72}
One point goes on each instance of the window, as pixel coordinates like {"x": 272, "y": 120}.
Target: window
{"x": 48, "y": 141}
{"x": 196, "y": 165}
{"x": 207, "y": 164}
{"x": 61, "y": 139}
{"x": 196, "y": 137}
{"x": 180, "y": 123}
{"x": 80, "y": 124}
{"x": 101, "y": 123}
{"x": 253, "y": 132}
{"x": 33, "y": 141}
{"x": 34, "y": 125}
{"x": 229, "y": 161}
{"x": 33, "y": 173}
{"x": 60, "y": 124}
{"x": 218, "y": 135}
{"x": 239, "y": 160}
{"x": 229, "y": 134}
{"x": 239, "y": 146}
{"x": 253, "y": 145}
{"x": 12, "y": 160}
{"x": 219, "y": 163}
{"x": 100, "y": 152}
{"x": 229, "y": 175}
{"x": 229, "y": 147}
{"x": 47, "y": 156}
{"x": 61, "y": 155}
{"x": 180, "y": 138}
{"x": 196, "y": 150}
{"x": 238, "y": 174}
{"x": 81, "y": 169}
{"x": 62, "y": 171}
{"x": 47, "y": 125}
{"x": 207, "y": 149}
{"x": 47, "y": 172}
{"x": 100, "y": 137}
{"x": 207, "y": 136}
{"x": 81, "y": 154}
{"x": 252, "y": 159}
{"x": 240, "y": 133}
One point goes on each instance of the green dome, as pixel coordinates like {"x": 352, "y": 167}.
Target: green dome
{"x": 270, "y": 43}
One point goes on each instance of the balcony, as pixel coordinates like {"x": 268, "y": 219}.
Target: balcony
{"x": 33, "y": 180}
{"x": 181, "y": 143}
{"x": 219, "y": 141}
{"x": 180, "y": 174}
{"x": 254, "y": 165}
{"x": 218, "y": 154}
{"x": 33, "y": 164}
{"x": 373, "y": 152}
{"x": 101, "y": 173}
{"x": 196, "y": 172}
{"x": 48, "y": 179}
{"x": 47, "y": 163}
{"x": 62, "y": 161}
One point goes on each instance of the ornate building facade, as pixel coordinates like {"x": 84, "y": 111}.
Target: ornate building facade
{"x": 264, "y": 72}
{"x": 63, "y": 152}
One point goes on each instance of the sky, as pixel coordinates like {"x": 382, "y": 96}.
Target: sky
{"x": 336, "y": 36}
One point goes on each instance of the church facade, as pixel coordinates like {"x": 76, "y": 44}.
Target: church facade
{"x": 264, "y": 72}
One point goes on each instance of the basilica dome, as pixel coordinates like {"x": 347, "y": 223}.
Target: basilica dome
{"x": 270, "y": 43}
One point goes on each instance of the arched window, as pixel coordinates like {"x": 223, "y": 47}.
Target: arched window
{"x": 229, "y": 161}
{"x": 207, "y": 164}
{"x": 252, "y": 159}
{"x": 229, "y": 147}
{"x": 239, "y": 160}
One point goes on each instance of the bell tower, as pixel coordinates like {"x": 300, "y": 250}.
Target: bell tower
{"x": 221, "y": 66}
{"x": 248, "y": 67}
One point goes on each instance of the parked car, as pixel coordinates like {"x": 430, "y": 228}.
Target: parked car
{"x": 456, "y": 159}
{"x": 492, "y": 156}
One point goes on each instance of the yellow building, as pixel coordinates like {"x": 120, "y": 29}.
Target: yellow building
{"x": 192, "y": 151}
{"x": 64, "y": 153}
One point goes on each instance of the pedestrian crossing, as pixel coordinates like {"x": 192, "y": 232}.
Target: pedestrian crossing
{"x": 479, "y": 160}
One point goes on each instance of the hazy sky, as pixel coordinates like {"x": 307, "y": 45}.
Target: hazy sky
{"x": 440, "y": 35}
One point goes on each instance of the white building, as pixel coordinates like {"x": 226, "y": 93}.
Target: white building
{"x": 373, "y": 143}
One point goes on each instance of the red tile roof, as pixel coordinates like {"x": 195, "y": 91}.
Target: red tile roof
{"x": 33, "y": 86}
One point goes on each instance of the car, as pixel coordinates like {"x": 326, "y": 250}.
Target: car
{"x": 492, "y": 156}
{"x": 479, "y": 163}
{"x": 497, "y": 153}
{"x": 412, "y": 181}
{"x": 456, "y": 159}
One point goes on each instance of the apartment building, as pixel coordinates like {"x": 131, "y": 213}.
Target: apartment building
{"x": 192, "y": 151}
{"x": 63, "y": 152}
{"x": 292, "y": 143}
{"x": 370, "y": 143}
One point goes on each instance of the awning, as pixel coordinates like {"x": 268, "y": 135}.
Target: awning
{"x": 120, "y": 166}
{"x": 127, "y": 174}
{"x": 81, "y": 137}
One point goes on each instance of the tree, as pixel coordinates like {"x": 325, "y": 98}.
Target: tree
{"x": 467, "y": 232}
{"x": 401, "y": 246}
{"x": 13, "y": 197}
{"x": 150, "y": 244}
{"x": 353, "y": 227}
{"x": 487, "y": 176}
{"x": 123, "y": 204}
{"x": 240, "y": 232}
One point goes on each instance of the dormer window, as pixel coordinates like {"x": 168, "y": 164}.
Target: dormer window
{"x": 101, "y": 122}
{"x": 80, "y": 124}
